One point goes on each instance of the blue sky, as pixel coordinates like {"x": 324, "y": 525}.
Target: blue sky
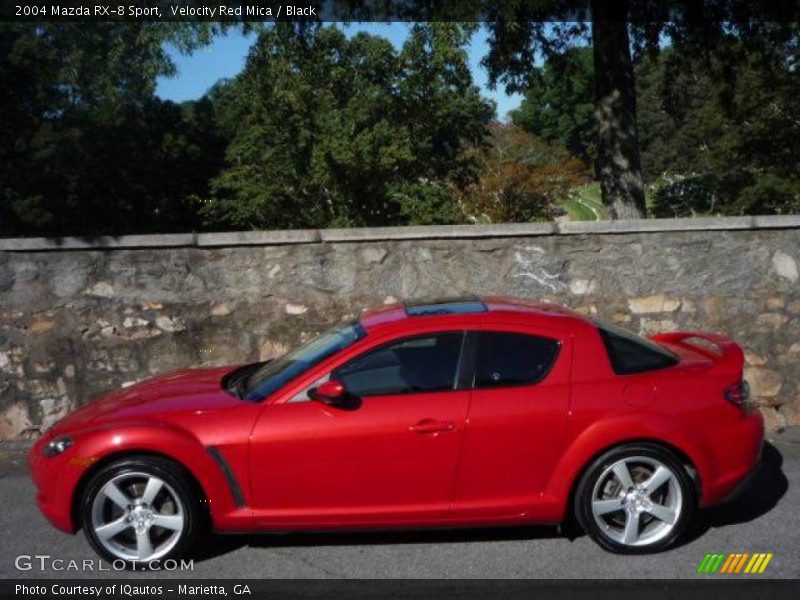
{"x": 226, "y": 56}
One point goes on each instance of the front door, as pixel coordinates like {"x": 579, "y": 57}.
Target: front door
{"x": 389, "y": 459}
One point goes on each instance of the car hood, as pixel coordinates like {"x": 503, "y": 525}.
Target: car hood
{"x": 181, "y": 391}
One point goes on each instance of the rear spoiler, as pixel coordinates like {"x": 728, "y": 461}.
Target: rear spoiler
{"x": 727, "y": 354}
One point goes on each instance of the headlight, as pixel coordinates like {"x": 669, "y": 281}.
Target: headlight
{"x": 57, "y": 445}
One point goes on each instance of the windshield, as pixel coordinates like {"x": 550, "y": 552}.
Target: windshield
{"x": 274, "y": 374}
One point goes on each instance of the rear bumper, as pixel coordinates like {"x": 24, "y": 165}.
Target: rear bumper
{"x": 742, "y": 486}
{"x": 739, "y": 448}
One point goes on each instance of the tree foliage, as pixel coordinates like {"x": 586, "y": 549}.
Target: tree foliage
{"x": 520, "y": 33}
{"x": 340, "y": 132}
{"x": 85, "y": 147}
{"x": 718, "y": 133}
{"x": 721, "y": 135}
{"x": 322, "y": 129}
{"x": 559, "y": 107}
{"x": 522, "y": 178}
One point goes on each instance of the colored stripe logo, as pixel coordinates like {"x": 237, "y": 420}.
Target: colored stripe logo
{"x": 731, "y": 564}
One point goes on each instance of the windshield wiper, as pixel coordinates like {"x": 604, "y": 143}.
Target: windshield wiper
{"x": 238, "y": 387}
{"x": 230, "y": 380}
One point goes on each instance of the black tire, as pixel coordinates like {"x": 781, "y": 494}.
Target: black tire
{"x": 132, "y": 469}
{"x": 680, "y": 498}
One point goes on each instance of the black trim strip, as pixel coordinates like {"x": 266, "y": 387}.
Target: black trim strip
{"x": 230, "y": 477}
{"x": 466, "y": 366}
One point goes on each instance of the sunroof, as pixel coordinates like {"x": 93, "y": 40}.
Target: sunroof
{"x": 444, "y": 306}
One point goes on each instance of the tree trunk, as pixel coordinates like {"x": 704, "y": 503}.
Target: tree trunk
{"x": 618, "y": 165}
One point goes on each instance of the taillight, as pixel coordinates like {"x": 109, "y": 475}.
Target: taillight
{"x": 738, "y": 394}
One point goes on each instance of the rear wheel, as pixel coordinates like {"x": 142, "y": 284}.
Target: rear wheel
{"x": 635, "y": 499}
{"x": 139, "y": 510}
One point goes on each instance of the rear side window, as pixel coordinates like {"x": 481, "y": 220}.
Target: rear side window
{"x": 630, "y": 353}
{"x": 513, "y": 359}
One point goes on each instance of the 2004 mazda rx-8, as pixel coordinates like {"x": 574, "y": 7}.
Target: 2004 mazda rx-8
{"x": 452, "y": 413}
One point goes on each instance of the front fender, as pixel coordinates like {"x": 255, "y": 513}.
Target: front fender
{"x": 60, "y": 478}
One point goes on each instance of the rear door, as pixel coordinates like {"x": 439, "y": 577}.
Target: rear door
{"x": 517, "y": 420}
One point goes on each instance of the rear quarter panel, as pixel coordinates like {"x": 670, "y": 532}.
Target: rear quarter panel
{"x": 671, "y": 406}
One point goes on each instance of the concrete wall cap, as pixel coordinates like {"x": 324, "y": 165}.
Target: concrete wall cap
{"x": 364, "y": 234}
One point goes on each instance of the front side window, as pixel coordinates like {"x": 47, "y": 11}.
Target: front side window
{"x": 426, "y": 363}
{"x": 276, "y": 373}
{"x": 630, "y": 353}
{"x": 513, "y": 359}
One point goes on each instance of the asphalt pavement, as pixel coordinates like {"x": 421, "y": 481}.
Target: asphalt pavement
{"x": 765, "y": 519}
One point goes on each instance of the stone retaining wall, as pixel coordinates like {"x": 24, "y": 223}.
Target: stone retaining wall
{"x": 79, "y": 317}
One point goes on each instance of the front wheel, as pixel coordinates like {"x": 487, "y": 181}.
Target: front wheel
{"x": 139, "y": 510}
{"x": 635, "y": 499}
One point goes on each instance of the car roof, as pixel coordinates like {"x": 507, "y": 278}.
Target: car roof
{"x": 464, "y": 308}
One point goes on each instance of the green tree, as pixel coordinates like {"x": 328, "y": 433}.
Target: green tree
{"x": 559, "y": 108}
{"x": 620, "y": 30}
{"x": 721, "y": 135}
{"x": 340, "y": 132}
{"x": 515, "y": 42}
{"x": 718, "y": 131}
{"x": 85, "y": 147}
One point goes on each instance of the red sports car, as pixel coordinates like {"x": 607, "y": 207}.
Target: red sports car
{"x": 455, "y": 413}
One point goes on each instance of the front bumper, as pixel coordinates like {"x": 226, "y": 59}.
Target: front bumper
{"x": 55, "y": 479}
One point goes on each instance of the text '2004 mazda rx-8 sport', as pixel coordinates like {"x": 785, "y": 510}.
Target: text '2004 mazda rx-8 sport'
{"x": 455, "y": 413}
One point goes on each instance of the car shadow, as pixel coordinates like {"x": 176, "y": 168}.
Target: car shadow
{"x": 222, "y": 544}
{"x": 768, "y": 486}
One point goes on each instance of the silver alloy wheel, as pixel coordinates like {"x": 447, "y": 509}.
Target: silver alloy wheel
{"x": 637, "y": 501}
{"x": 137, "y": 517}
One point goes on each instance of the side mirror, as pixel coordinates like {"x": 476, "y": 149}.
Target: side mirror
{"x": 331, "y": 393}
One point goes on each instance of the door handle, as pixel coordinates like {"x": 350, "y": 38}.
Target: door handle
{"x": 432, "y": 426}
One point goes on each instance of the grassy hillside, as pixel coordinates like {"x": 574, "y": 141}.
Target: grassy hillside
{"x": 584, "y": 204}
